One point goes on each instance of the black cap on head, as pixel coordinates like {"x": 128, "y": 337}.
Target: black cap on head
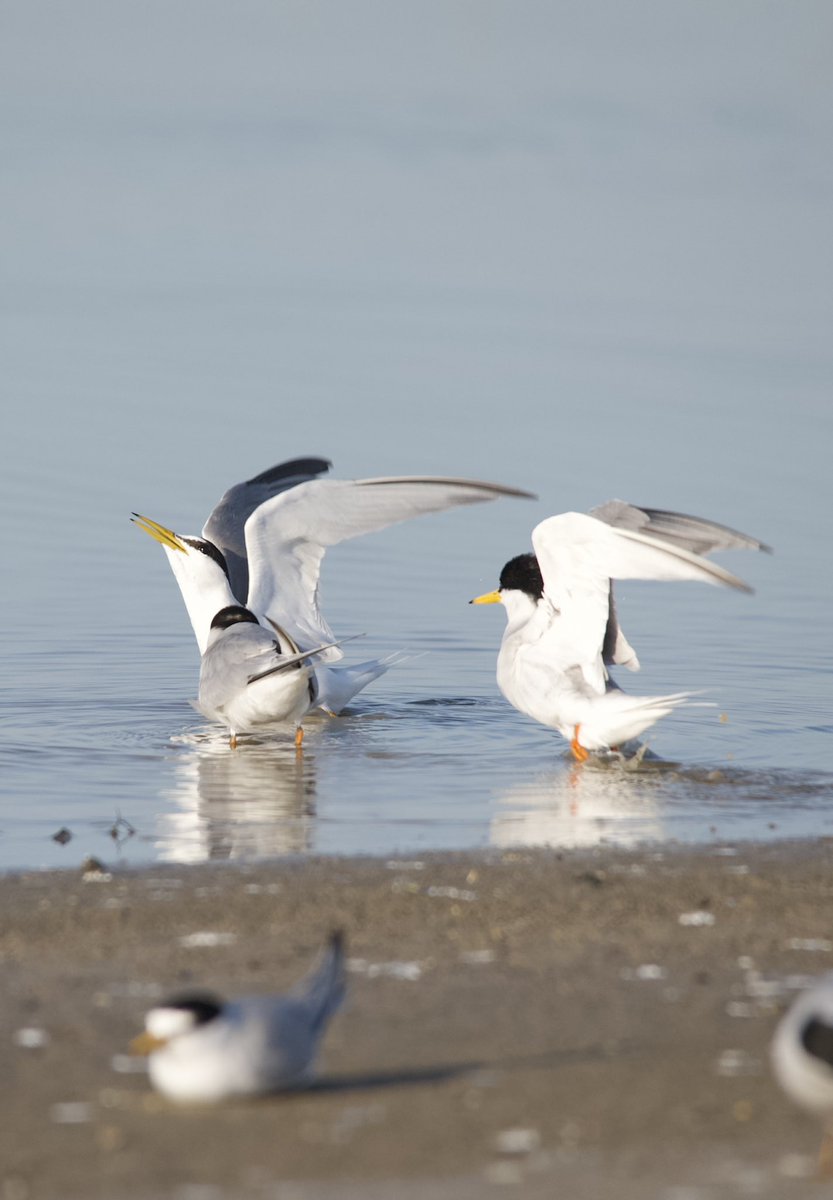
{"x": 235, "y": 614}
{"x": 202, "y": 1005}
{"x": 522, "y": 574}
{"x": 817, "y": 1039}
{"x": 209, "y": 549}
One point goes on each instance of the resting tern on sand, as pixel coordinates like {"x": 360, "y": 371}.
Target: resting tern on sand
{"x": 202, "y": 1049}
{"x": 562, "y": 630}
{"x": 802, "y": 1058}
{"x": 261, "y": 550}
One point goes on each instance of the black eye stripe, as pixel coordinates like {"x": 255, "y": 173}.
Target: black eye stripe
{"x": 209, "y": 550}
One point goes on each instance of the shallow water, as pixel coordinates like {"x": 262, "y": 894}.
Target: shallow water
{"x": 579, "y": 257}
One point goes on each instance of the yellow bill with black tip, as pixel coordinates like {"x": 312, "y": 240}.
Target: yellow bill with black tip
{"x": 488, "y": 598}
{"x": 146, "y": 1043}
{"x": 166, "y": 537}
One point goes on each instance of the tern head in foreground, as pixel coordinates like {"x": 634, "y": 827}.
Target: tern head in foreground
{"x": 802, "y": 1057}
{"x": 262, "y": 546}
{"x": 203, "y": 1049}
{"x": 562, "y": 631}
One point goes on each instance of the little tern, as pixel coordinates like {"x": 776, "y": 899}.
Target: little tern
{"x": 250, "y": 679}
{"x": 562, "y": 630}
{"x": 262, "y": 545}
{"x": 802, "y": 1049}
{"x": 202, "y": 1049}
{"x": 802, "y": 1058}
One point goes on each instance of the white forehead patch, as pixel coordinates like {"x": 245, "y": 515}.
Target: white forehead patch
{"x": 166, "y": 1023}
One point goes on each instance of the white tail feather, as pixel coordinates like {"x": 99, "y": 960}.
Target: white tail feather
{"x": 617, "y": 717}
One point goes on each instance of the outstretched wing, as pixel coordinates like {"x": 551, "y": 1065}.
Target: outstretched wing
{"x": 678, "y": 529}
{"x": 579, "y": 555}
{"x": 286, "y": 537}
{"x": 225, "y": 525}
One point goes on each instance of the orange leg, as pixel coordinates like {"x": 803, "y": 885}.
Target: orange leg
{"x": 299, "y": 737}
{"x": 579, "y": 752}
{"x": 233, "y": 741}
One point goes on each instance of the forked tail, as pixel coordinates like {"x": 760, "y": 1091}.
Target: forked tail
{"x": 618, "y": 717}
{"x": 338, "y": 685}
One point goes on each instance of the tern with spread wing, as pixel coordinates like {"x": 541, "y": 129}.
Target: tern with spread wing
{"x": 562, "y": 631}
{"x": 261, "y": 550}
{"x": 202, "y": 1049}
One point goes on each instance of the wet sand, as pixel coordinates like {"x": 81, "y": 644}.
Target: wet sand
{"x": 528, "y": 1023}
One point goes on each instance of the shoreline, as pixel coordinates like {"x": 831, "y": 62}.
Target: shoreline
{"x": 596, "y": 1020}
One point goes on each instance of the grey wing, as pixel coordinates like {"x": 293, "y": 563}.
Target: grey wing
{"x": 616, "y": 649}
{"x": 678, "y": 529}
{"x": 287, "y": 662}
{"x": 322, "y": 990}
{"x": 224, "y": 526}
{"x": 269, "y": 1045}
{"x": 281, "y": 1039}
{"x": 282, "y": 1033}
{"x": 287, "y": 535}
{"x": 296, "y": 1021}
{"x": 229, "y": 662}
{"x": 691, "y": 533}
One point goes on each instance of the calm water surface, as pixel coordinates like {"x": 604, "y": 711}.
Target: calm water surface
{"x": 582, "y": 255}
{"x": 99, "y": 737}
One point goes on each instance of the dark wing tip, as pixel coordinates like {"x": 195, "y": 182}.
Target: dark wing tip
{"x": 292, "y": 467}
{"x": 491, "y": 489}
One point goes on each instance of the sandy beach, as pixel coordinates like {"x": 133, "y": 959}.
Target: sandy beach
{"x": 587, "y": 1024}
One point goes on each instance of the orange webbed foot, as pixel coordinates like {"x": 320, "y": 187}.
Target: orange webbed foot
{"x": 579, "y": 753}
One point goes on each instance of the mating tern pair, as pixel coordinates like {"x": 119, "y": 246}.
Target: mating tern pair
{"x": 269, "y": 660}
{"x": 250, "y": 584}
{"x": 202, "y": 1049}
{"x": 562, "y": 630}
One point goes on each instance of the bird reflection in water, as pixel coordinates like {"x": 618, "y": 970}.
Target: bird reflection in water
{"x": 260, "y": 804}
{"x": 571, "y": 806}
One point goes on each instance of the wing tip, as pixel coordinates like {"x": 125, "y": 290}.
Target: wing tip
{"x": 493, "y": 489}
{"x": 310, "y": 465}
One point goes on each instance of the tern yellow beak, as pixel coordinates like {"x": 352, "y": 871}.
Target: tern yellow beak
{"x": 146, "y": 1043}
{"x": 166, "y": 537}
{"x": 488, "y": 598}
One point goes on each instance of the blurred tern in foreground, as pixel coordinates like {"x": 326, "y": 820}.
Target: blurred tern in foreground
{"x": 202, "y": 1049}
{"x": 802, "y": 1057}
{"x": 562, "y": 631}
{"x": 261, "y": 550}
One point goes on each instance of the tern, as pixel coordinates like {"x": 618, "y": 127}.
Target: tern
{"x": 562, "y": 631}
{"x": 802, "y": 1057}
{"x": 261, "y": 550}
{"x": 250, "y": 679}
{"x": 202, "y": 1049}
